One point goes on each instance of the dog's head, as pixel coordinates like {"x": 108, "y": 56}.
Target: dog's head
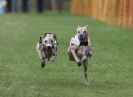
{"x": 48, "y": 40}
{"x": 82, "y": 32}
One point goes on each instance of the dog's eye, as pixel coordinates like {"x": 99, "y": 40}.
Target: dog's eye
{"x": 78, "y": 31}
{"x": 52, "y": 41}
{"x": 84, "y": 32}
{"x": 45, "y": 41}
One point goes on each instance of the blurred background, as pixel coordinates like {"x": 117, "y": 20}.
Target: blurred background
{"x": 116, "y": 12}
{"x": 110, "y": 69}
{"x": 33, "y": 5}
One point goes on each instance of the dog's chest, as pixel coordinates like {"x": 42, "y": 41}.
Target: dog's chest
{"x": 48, "y": 52}
{"x": 83, "y": 43}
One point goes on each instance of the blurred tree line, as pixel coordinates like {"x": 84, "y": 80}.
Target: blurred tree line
{"x": 39, "y": 5}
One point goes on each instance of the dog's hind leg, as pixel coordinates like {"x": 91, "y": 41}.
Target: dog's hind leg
{"x": 85, "y": 62}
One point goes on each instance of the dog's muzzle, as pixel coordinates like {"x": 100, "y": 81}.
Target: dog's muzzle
{"x": 83, "y": 37}
{"x": 48, "y": 51}
{"x": 48, "y": 47}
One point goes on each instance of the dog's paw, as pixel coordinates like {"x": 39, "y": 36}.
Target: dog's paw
{"x": 42, "y": 64}
{"x": 90, "y": 54}
{"x": 79, "y": 63}
{"x": 87, "y": 83}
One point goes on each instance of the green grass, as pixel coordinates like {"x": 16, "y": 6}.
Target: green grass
{"x": 110, "y": 68}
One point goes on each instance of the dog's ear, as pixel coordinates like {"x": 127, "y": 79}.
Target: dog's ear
{"x": 54, "y": 36}
{"x": 45, "y": 34}
{"x": 78, "y": 26}
{"x": 87, "y": 26}
{"x": 40, "y": 40}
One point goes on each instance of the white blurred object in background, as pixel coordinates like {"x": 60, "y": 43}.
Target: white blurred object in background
{"x": 3, "y": 4}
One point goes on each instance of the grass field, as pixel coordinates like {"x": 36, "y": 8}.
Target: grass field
{"x": 110, "y": 68}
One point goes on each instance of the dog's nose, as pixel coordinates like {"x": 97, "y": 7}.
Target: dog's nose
{"x": 49, "y": 47}
{"x": 81, "y": 35}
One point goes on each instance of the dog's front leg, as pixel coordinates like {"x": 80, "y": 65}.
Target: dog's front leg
{"x": 42, "y": 59}
{"x": 75, "y": 55}
{"x": 54, "y": 54}
{"x": 73, "y": 50}
{"x": 42, "y": 63}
